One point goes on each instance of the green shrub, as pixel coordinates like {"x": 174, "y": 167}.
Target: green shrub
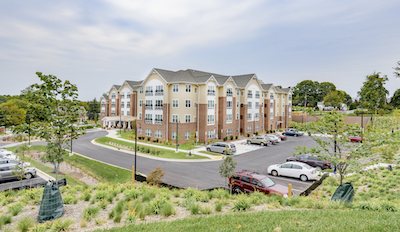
{"x": 86, "y": 196}
{"x": 38, "y": 228}
{"x": 111, "y": 214}
{"x": 90, "y": 212}
{"x": 218, "y": 206}
{"x": 120, "y": 207}
{"x": 205, "y": 209}
{"x": 16, "y": 208}
{"x": 25, "y": 224}
{"x": 167, "y": 209}
{"x": 100, "y": 195}
{"x": 231, "y": 137}
{"x": 366, "y": 205}
{"x": 189, "y": 192}
{"x": 131, "y": 194}
{"x": 68, "y": 199}
{"x": 388, "y": 206}
{"x": 103, "y": 203}
{"x": 62, "y": 225}
{"x": 148, "y": 196}
{"x": 195, "y": 208}
{"x": 241, "y": 204}
{"x": 131, "y": 218}
{"x": 257, "y": 198}
{"x": 118, "y": 218}
{"x": 176, "y": 193}
{"x": 156, "y": 204}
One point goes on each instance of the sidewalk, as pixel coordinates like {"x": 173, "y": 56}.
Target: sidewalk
{"x": 113, "y": 134}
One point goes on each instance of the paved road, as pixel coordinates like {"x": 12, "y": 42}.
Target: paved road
{"x": 202, "y": 175}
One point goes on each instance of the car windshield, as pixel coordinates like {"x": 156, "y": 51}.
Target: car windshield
{"x": 267, "y": 182}
{"x": 307, "y": 166}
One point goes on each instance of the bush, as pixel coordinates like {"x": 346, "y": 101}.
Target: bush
{"x": 131, "y": 194}
{"x": 16, "y": 208}
{"x": 256, "y": 133}
{"x": 241, "y": 204}
{"x": 237, "y": 136}
{"x": 62, "y": 225}
{"x": 205, "y": 209}
{"x": 218, "y": 206}
{"x": 225, "y": 138}
{"x": 90, "y": 212}
{"x": 118, "y": 218}
{"x": 194, "y": 208}
{"x": 231, "y": 137}
{"x": 68, "y": 199}
{"x": 4, "y": 220}
{"x": 248, "y": 135}
{"x": 25, "y": 224}
{"x": 155, "y": 176}
{"x": 366, "y": 205}
{"x": 167, "y": 209}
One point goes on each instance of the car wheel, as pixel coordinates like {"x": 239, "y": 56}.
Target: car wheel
{"x": 237, "y": 189}
{"x": 274, "y": 173}
{"x": 295, "y": 135}
{"x": 28, "y": 176}
{"x": 318, "y": 168}
{"x": 249, "y": 142}
{"x": 208, "y": 149}
{"x": 303, "y": 178}
{"x": 262, "y": 144}
{"x": 224, "y": 152}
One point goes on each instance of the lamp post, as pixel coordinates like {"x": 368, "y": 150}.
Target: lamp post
{"x": 177, "y": 144}
{"x": 134, "y": 171}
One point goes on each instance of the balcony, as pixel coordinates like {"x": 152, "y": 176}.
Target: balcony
{"x": 257, "y": 96}
{"x": 210, "y": 92}
{"x": 158, "y": 107}
{"x": 249, "y": 95}
{"x": 229, "y": 94}
{"x": 149, "y": 93}
{"x": 148, "y": 107}
{"x": 159, "y": 92}
{"x": 158, "y": 122}
{"x": 148, "y": 121}
{"x": 271, "y": 97}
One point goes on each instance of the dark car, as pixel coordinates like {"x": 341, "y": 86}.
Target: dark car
{"x": 312, "y": 161}
{"x": 248, "y": 181}
{"x": 292, "y": 132}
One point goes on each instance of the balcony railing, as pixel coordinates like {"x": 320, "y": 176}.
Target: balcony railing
{"x": 148, "y": 107}
{"x": 159, "y": 92}
{"x": 149, "y": 93}
{"x": 158, "y": 107}
{"x": 249, "y": 95}
{"x": 158, "y": 122}
{"x": 148, "y": 121}
{"x": 258, "y": 96}
{"x": 229, "y": 106}
{"x": 229, "y": 94}
{"x": 271, "y": 97}
{"x": 211, "y": 92}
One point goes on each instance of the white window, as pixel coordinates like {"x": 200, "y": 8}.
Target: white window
{"x": 149, "y": 105}
{"x": 257, "y": 105}
{"x": 175, "y": 103}
{"x": 210, "y": 119}
{"x": 257, "y": 127}
{"x": 187, "y": 118}
{"x": 188, "y": 88}
{"x": 210, "y": 104}
{"x": 237, "y": 104}
{"x": 128, "y": 104}
{"x": 228, "y": 131}
{"x": 140, "y": 116}
{"x": 149, "y": 91}
{"x": 140, "y": 130}
{"x": 271, "y": 115}
{"x": 187, "y": 103}
{"x": 249, "y": 94}
{"x": 277, "y": 114}
{"x": 229, "y": 118}
{"x": 283, "y": 104}
{"x": 175, "y": 88}
{"x": 122, "y": 95}
{"x": 112, "y": 112}
{"x": 158, "y": 134}
{"x": 271, "y": 95}
{"x": 211, "y": 90}
{"x": 113, "y": 104}
{"x": 141, "y": 90}
{"x": 148, "y": 132}
{"x": 237, "y": 92}
{"x": 140, "y": 103}
{"x": 229, "y": 104}
{"x": 237, "y": 116}
{"x": 148, "y": 118}
{"x": 237, "y": 129}
{"x": 158, "y": 119}
{"x": 249, "y": 105}
{"x": 195, "y": 104}
{"x": 174, "y": 135}
{"x": 248, "y": 128}
{"x": 249, "y": 117}
{"x": 283, "y": 113}
{"x": 210, "y": 134}
{"x": 272, "y": 104}
{"x": 128, "y": 113}
{"x": 175, "y": 118}
{"x": 257, "y": 94}
{"x": 103, "y": 112}
{"x": 159, "y": 90}
{"x": 128, "y": 95}
{"x": 113, "y": 95}
{"x": 187, "y": 135}
{"x": 122, "y": 112}
{"x": 229, "y": 92}
{"x": 257, "y": 116}
{"x": 283, "y": 96}
{"x": 122, "y": 104}
{"x": 195, "y": 90}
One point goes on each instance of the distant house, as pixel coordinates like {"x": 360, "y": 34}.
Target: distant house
{"x": 322, "y": 107}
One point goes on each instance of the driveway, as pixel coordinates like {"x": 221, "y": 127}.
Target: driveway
{"x": 202, "y": 174}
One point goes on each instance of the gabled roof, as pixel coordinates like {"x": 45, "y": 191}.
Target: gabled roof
{"x": 133, "y": 84}
{"x": 283, "y": 90}
{"x": 242, "y": 80}
{"x": 266, "y": 87}
{"x": 116, "y": 87}
{"x": 105, "y": 97}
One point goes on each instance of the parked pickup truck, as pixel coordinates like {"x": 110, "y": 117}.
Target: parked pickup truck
{"x": 293, "y": 132}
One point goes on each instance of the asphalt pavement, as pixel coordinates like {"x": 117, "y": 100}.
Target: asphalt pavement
{"x": 201, "y": 174}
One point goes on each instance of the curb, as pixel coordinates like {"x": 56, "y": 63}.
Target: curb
{"x": 44, "y": 175}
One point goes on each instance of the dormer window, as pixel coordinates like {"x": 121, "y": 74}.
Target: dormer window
{"x": 211, "y": 90}
{"x": 229, "y": 92}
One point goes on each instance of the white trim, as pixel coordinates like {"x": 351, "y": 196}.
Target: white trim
{"x": 173, "y": 103}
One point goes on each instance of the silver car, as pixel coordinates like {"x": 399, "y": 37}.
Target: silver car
{"x": 259, "y": 140}
{"x": 222, "y": 147}
{"x": 6, "y": 171}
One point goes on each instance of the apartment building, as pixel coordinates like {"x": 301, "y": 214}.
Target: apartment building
{"x": 167, "y": 104}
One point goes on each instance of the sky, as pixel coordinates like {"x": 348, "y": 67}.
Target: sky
{"x": 96, "y": 44}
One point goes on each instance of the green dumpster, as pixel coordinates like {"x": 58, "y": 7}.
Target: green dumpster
{"x": 52, "y": 205}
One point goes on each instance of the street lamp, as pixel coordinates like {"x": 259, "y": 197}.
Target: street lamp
{"x": 177, "y": 144}
{"x": 134, "y": 171}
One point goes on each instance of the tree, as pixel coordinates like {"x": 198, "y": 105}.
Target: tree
{"x": 323, "y": 89}
{"x": 335, "y": 147}
{"x": 397, "y": 70}
{"x": 373, "y": 93}
{"x": 227, "y": 167}
{"x": 93, "y": 108}
{"x": 20, "y": 167}
{"x": 12, "y": 107}
{"x": 346, "y": 97}
{"x": 334, "y": 99}
{"x": 58, "y": 106}
{"x": 395, "y": 100}
{"x": 305, "y": 93}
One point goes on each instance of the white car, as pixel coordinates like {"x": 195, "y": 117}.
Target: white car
{"x": 294, "y": 169}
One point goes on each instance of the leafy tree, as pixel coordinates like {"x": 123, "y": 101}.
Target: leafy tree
{"x": 155, "y": 177}
{"x": 323, "y": 89}
{"x": 373, "y": 93}
{"x": 347, "y": 98}
{"x": 305, "y": 93}
{"x": 227, "y": 167}
{"x": 12, "y": 107}
{"x": 58, "y": 106}
{"x": 20, "y": 167}
{"x": 192, "y": 140}
{"x": 397, "y": 70}
{"x": 334, "y": 99}
{"x": 396, "y": 113}
{"x": 93, "y": 108}
{"x": 334, "y": 147}
{"x": 395, "y": 100}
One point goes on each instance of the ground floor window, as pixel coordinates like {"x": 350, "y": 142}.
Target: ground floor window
{"x": 158, "y": 134}
{"x": 210, "y": 134}
{"x": 229, "y": 132}
{"x": 257, "y": 127}
{"x": 148, "y": 132}
{"x": 140, "y": 130}
{"x": 237, "y": 129}
{"x": 187, "y": 135}
{"x": 173, "y": 135}
{"x": 249, "y": 129}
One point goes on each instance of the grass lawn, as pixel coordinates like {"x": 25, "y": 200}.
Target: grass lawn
{"x": 286, "y": 220}
{"x": 143, "y": 149}
{"x": 210, "y": 153}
